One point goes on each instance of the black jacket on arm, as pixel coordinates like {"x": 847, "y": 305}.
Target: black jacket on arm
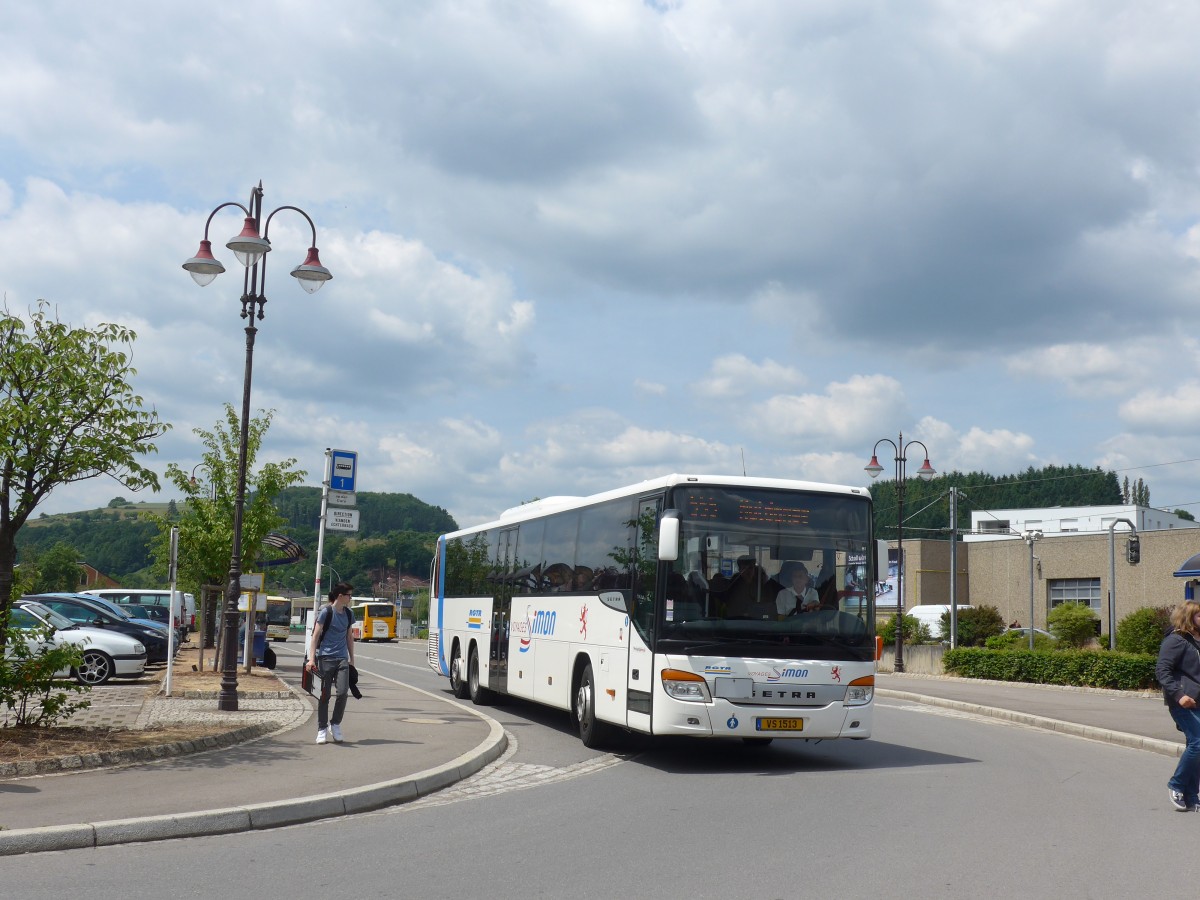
{"x": 1178, "y": 669}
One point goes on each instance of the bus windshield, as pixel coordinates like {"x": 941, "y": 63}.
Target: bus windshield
{"x": 764, "y": 572}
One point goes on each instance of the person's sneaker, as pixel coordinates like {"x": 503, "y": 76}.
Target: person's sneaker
{"x": 321, "y": 740}
{"x": 337, "y": 733}
{"x": 1176, "y": 799}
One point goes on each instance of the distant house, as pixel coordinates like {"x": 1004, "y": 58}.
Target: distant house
{"x": 91, "y": 577}
{"x": 1081, "y": 556}
{"x": 987, "y": 525}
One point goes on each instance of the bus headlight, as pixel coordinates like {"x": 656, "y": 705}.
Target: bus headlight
{"x": 860, "y": 691}
{"x": 681, "y": 685}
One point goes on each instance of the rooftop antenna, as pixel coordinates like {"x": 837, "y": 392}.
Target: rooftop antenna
{"x": 743, "y": 451}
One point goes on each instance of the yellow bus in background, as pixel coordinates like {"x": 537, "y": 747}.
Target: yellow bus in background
{"x": 374, "y": 620}
{"x": 279, "y": 618}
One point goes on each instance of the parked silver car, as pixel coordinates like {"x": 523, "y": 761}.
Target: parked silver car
{"x": 106, "y": 654}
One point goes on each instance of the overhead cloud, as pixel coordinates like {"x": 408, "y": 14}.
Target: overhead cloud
{"x": 736, "y": 376}
{"x": 575, "y": 243}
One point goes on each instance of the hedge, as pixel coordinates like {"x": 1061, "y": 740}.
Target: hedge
{"x": 1090, "y": 668}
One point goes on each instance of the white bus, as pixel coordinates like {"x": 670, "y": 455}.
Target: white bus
{"x": 662, "y": 608}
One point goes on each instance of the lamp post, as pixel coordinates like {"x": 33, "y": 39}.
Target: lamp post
{"x": 926, "y": 472}
{"x": 1031, "y": 538}
{"x": 212, "y": 485}
{"x": 250, "y": 247}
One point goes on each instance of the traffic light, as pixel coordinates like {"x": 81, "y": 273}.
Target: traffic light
{"x": 1133, "y": 550}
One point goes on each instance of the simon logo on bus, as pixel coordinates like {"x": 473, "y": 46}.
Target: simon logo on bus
{"x": 778, "y": 674}
{"x": 536, "y": 622}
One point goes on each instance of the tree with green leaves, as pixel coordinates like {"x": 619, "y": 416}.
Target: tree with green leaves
{"x": 58, "y": 569}
{"x": 206, "y": 519}
{"x": 68, "y": 413}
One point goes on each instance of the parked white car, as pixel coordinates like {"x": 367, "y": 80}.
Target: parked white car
{"x": 106, "y": 654}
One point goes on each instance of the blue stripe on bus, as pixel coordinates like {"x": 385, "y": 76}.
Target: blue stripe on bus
{"x": 443, "y": 664}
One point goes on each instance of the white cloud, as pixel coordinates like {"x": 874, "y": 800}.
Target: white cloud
{"x": 1173, "y": 412}
{"x": 847, "y": 412}
{"x": 736, "y": 376}
{"x": 792, "y": 228}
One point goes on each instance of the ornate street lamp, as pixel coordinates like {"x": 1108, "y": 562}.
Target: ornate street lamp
{"x": 926, "y": 472}
{"x": 250, "y": 247}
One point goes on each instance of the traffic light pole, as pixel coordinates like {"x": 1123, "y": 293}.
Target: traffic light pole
{"x": 1112, "y": 576}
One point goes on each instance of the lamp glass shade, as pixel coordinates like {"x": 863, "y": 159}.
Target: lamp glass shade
{"x": 310, "y": 273}
{"x": 873, "y": 468}
{"x": 926, "y": 472}
{"x": 204, "y": 267}
{"x": 248, "y": 247}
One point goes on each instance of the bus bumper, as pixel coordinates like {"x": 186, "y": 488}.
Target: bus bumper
{"x": 723, "y": 718}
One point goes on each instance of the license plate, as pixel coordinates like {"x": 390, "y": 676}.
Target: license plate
{"x": 762, "y": 724}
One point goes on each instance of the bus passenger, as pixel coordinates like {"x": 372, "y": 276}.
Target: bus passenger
{"x": 751, "y": 594}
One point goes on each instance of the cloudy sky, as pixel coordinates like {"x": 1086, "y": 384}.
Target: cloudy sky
{"x": 580, "y": 243}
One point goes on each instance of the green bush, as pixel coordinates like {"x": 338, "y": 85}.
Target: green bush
{"x": 1142, "y": 630}
{"x": 1074, "y": 624}
{"x": 1015, "y": 640}
{"x": 975, "y": 625}
{"x": 914, "y": 631}
{"x": 1088, "y": 668}
{"x": 28, "y": 688}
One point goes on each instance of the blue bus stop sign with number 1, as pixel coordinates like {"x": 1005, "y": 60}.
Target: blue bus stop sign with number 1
{"x": 345, "y": 470}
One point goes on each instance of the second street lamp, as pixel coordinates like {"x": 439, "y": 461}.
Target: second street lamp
{"x": 250, "y": 247}
{"x": 926, "y": 472}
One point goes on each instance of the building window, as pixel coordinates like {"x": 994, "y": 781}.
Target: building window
{"x": 1075, "y": 590}
{"x": 993, "y": 526}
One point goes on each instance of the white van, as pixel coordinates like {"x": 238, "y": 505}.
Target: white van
{"x": 185, "y": 609}
{"x": 930, "y": 615}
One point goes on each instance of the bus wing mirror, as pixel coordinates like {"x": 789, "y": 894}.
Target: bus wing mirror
{"x": 881, "y": 560}
{"x": 668, "y": 536}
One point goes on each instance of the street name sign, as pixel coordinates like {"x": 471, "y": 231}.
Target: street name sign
{"x": 341, "y": 519}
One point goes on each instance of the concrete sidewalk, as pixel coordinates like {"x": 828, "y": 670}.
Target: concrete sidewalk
{"x": 401, "y": 743}
{"x": 1129, "y": 719}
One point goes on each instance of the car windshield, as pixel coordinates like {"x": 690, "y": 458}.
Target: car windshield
{"x": 107, "y": 606}
{"x": 765, "y": 572}
{"x": 35, "y": 611}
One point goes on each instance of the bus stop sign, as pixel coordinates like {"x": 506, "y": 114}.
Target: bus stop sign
{"x": 345, "y": 469}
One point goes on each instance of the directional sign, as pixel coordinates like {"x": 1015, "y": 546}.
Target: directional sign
{"x": 342, "y": 498}
{"x": 341, "y": 519}
{"x": 345, "y": 468}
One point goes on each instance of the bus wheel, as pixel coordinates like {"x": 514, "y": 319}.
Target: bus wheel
{"x": 458, "y": 685}
{"x": 592, "y": 732}
{"x": 480, "y": 695}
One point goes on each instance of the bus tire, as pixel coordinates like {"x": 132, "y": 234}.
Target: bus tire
{"x": 480, "y": 695}
{"x": 592, "y": 732}
{"x": 458, "y": 684}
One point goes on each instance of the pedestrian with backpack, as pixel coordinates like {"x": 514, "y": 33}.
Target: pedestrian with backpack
{"x": 1178, "y": 671}
{"x": 330, "y": 656}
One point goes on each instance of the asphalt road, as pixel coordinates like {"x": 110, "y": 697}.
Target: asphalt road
{"x": 938, "y": 804}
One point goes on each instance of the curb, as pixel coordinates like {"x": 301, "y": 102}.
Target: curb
{"x": 109, "y": 758}
{"x": 259, "y": 816}
{"x": 1119, "y": 738}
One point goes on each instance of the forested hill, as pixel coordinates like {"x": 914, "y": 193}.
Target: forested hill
{"x": 394, "y": 529}
{"x": 378, "y": 513}
{"x": 927, "y": 508}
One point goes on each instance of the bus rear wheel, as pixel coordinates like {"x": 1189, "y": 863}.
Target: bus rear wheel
{"x": 592, "y": 732}
{"x": 458, "y": 685}
{"x": 480, "y": 695}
